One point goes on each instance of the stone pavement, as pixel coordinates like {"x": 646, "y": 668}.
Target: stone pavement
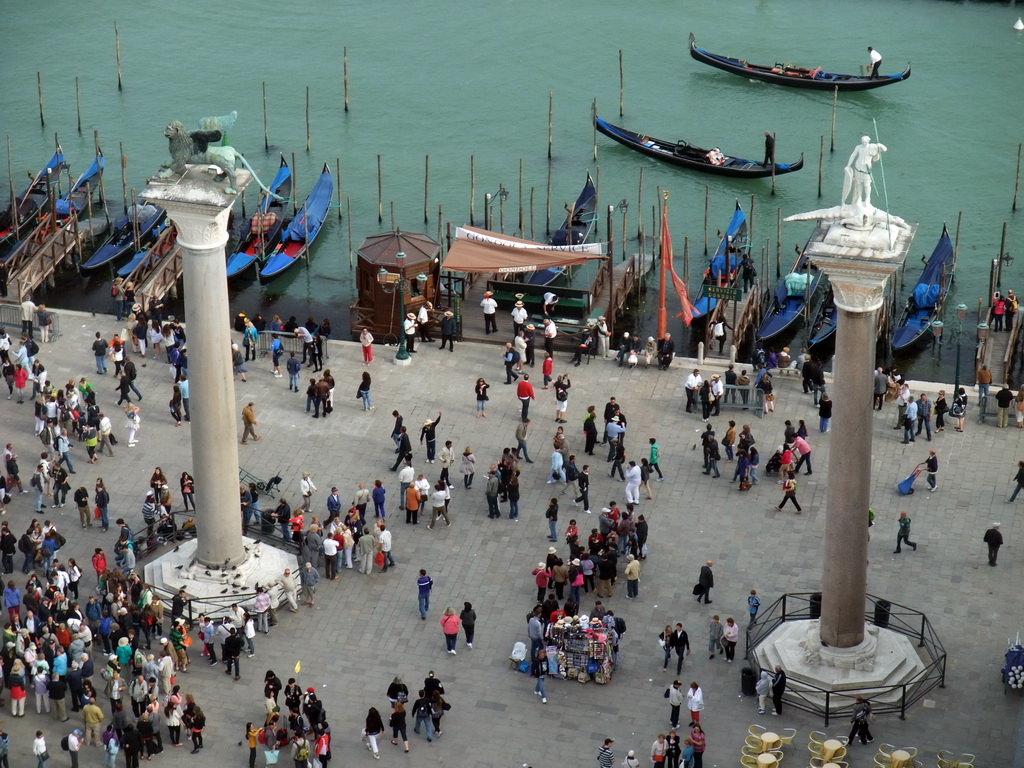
{"x": 366, "y": 629}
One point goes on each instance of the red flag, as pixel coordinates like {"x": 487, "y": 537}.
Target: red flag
{"x": 677, "y": 283}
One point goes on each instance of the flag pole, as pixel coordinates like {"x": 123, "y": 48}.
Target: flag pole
{"x": 665, "y": 253}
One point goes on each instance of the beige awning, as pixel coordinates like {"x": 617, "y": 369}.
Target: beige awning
{"x": 477, "y": 250}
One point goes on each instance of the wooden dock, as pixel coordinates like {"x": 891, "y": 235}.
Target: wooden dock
{"x": 36, "y": 259}
{"x": 996, "y": 351}
{"x": 607, "y": 298}
{"x": 157, "y": 275}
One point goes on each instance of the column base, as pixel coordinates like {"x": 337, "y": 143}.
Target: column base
{"x": 211, "y": 588}
{"x": 402, "y": 363}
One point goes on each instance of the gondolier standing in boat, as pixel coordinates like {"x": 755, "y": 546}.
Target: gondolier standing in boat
{"x": 874, "y": 62}
{"x": 769, "y": 149}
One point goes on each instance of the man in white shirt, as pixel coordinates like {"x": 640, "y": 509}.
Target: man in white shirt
{"x": 550, "y": 300}
{"x": 874, "y": 61}
{"x": 633, "y": 475}
{"x": 406, "y": 476}
{"x": 330, "y": 558}
{"x": 550, "y": 332}
{"x": 693, "y": 382}
{"x": 717, "y": 393}
{"x": 423, "y": 321}
{"x": 409, "y": 328}
{"x": 519, "y": 317}
{"x": 307, "y": 342}
{"x": 490, "y": 306}
{"x": 385, "y": 546}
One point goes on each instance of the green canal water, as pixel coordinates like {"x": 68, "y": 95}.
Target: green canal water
{"x": 458, "y": 79}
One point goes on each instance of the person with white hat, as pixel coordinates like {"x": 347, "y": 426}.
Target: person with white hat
{"x": 423, "y": 321}
{"x": 519, "y": 316}
{"x": 489, "y": 306}
{"x": 409, "y": 326}
{"x": 448, "y": 328}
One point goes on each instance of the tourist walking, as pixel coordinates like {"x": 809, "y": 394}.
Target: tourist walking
{"x": 605, "y": 755}
{"x": 789, "y": 494}
{"x": 994, "y": 539}
{"x": 705, "y": 581}
{"x": 468, "y": 619}
{"x": 715, "y": 632}
{"x": 374, "y": 728}
{"x": 364, "y": 392}
{"x": 1019, "y": 478}
{"x": 699, "y": 743}
{"x": 450, "y": 628}
{"x": 730, "y": 636}
{"x": 134, "y": 421}
{"x": 539, "y": 672}
{"x": 423, "y": 586}
{"x": 904, "y": 534}
{"x": 249, "y": 424}
{"x": 861, "y": 721}
{"x": 931, "y": 465}
{"x": 695, "y": 703}
{"x": 480, "y": 389}
{"x": 674, "y": 694}
{"x": 468, "y": 467}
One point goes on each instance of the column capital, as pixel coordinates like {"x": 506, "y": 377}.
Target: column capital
{"x": 197, "y": 205}
{"x": 857, "y": 291}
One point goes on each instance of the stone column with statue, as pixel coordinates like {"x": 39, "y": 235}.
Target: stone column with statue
{"x": 193, "y": 191}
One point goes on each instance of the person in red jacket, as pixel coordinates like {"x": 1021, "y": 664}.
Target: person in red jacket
{"x": 525, "y": 394}
{"x": 547, "y": 368}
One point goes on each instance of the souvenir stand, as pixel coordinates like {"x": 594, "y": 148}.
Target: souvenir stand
{"x": 578, "y": 650}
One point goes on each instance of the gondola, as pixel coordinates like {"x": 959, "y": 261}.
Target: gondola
{"x": 77, "y": 198}
{"x": 576, "y": 228}
{"x": 33, "y": 198}
{"x": 260, "y": 233}
{"x": 145, "y": 219}
{"x": 790, "y": 299}
{"x": 823, "y": 327}
{"x": 719, "y": 272}
{"x": 688, "y": 156}
{"x": 299, "y": 236}
{"x": 925, "y": 302}
{"x": 795, "y": 77}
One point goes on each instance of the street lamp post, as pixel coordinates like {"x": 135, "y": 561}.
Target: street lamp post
{"x": 957, "y": 337}
{"x": 391, "y": 282}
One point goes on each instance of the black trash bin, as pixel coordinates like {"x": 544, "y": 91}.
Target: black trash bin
{"x": 882, "y": 609}
{"x": 816, "y": 605}
{"x": 748, "y": 681}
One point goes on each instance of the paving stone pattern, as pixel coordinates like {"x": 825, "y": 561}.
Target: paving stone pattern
{"x": 365, "y": 630}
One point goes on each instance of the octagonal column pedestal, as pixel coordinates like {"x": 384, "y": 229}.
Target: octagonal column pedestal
{"x": 199, "y": 209}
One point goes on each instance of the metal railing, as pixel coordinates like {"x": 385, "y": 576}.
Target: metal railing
{"x": 289, "y": 342}
{"x": 10, "y": 319}
{"x": 801, "y": 606}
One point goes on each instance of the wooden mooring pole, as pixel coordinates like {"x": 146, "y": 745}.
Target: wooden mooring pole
{"x": 1016, "y": 183}
{"x": 117, "y": 52}
{"x": 821, "y": 162}
{"x": 551, "y": 113}
{"x": 835, "y": 103}
{"x": 307, "y": 119}
{"x": 621, "y": 82}
{"x": 344, "y": 68}
{"x": 266, "y": 135}
{"x": 78, "y": 105}
{"x": 426, "y": 185}
{"x": 472, "y": 191}
{"x": 39, "y": 87}
{"x": 380, "y": 193}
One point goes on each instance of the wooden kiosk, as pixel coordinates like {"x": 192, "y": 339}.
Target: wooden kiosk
{"x": 415, "y": 259}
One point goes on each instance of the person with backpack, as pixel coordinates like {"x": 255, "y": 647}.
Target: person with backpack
{"x": 789, "y": 491}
